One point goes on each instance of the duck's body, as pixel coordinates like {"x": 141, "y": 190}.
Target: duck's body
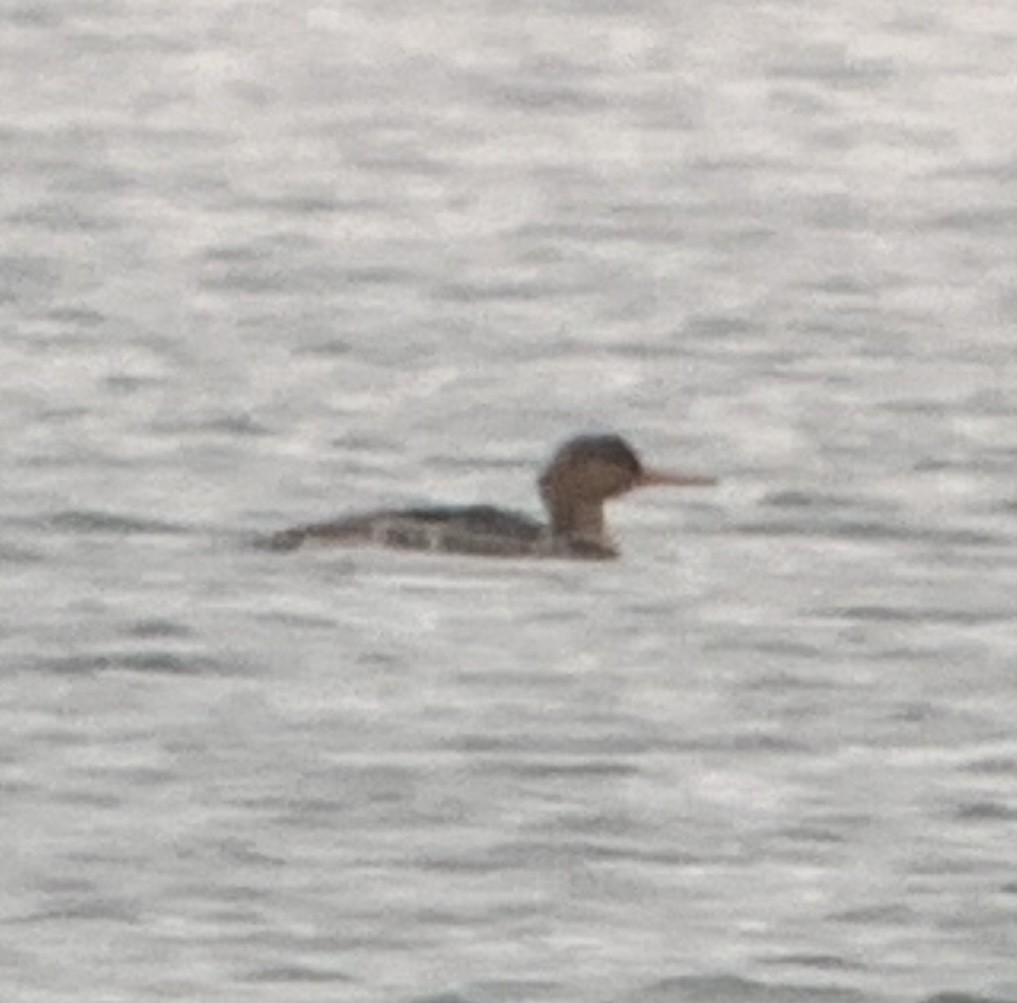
{"x": 585, "y": 473}
{"x": 473, "y": 529}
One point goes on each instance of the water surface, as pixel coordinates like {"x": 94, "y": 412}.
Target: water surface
{"x": 266, "y": 263}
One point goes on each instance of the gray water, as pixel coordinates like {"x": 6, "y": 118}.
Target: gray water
{"x": 264, "y": 263}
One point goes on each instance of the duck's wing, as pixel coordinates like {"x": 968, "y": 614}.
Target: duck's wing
{"x": 349, "y": 531}
{"x": 472, "y": 529}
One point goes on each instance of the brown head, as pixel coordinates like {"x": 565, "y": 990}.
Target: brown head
{"x": 589, "y": 470}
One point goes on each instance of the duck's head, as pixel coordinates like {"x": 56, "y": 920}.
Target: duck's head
{"x": 589, "y": 470}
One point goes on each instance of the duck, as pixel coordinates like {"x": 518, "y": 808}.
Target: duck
{"x": 583, "y": 474}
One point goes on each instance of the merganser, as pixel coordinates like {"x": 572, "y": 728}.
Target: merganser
{"x": 583, "y": 474}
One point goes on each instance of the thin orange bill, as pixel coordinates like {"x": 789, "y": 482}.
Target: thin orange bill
{"x": 651, "y": 477}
